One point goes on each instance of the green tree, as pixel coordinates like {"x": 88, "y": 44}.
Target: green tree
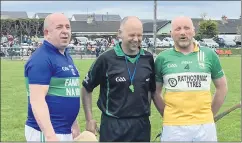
{"x": 207, "y": 29}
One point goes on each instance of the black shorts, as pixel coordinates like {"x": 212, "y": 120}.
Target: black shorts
{"x": 125, "y": 130}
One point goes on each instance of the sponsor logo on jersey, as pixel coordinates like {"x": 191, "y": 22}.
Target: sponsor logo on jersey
{"x": 192, "y": 80}
{"x": 188, "y": 81}
{"x": 172, "y": 82}
{"x": 171, "y": 65}
{"x": 72, "y": 69}
{"x": 86, "y": 78}
{"x": 65, "y": 68}
{"x": 120, "y": 79}
{"x": 186, "y": 62}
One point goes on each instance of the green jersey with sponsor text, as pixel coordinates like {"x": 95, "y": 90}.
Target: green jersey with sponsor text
{"x": 187, "y": 79}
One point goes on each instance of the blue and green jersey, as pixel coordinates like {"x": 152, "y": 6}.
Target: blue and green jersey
{"x": 47, "y": 66}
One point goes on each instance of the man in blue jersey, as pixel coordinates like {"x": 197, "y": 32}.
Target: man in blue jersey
{"x": 53, "y": 87}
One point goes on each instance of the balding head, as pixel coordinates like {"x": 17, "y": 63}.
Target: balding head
{"x": 57, "y": 30}
{"x": 181, "y": 19}
{"x": 131, "y": 33}
{"x": 129, "y": 20}
{"x": 182, "y": 31}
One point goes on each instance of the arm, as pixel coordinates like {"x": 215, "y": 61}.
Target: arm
{"x": 75, "y": 125}
{"x": 40, "y": 110}
{"x": 157, "y": 84}
{"x": 87, "y": 103}
{"x": 75, "y": 129}
{"x": 93, "y": 79}
{"x": 220, "y": 93}
{"x": 39, "y": 74}
{"x": 220, "y": 83}
{"x": 157, "y": 98}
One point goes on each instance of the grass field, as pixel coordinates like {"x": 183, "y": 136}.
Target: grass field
{"x": 14, "y": 101}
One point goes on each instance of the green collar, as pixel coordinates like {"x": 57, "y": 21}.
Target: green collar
{"x": 119, "y": 52}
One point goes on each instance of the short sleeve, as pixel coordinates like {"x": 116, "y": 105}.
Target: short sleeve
{"x": 217, "y": 71}
{"x": 38, "y": 71}
{"x": 95, "y": 74}
{"x": 152, "y": 76}
{"x": 158, "y": 69}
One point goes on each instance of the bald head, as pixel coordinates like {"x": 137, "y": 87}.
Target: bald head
{"x": 181, "y": 19}
{"x": 182, "y": 32}
{"x": 130, "y": 21}
{"x": 57, "y": 30}
{"x": 131, "y": 33}
{"x": 52, "y": 17}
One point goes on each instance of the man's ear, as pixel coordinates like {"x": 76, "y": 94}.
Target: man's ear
{"x": 45, "y": 32}
{"x": 119, "y": 33}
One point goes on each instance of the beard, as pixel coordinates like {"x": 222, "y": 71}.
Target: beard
{"x": 184, "y": 44}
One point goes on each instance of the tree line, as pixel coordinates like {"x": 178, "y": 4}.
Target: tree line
{"x": 32, "y": 27}
{"x": 19, "y": 27}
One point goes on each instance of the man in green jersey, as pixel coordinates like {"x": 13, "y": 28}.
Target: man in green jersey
{"x": 186, "y": 72}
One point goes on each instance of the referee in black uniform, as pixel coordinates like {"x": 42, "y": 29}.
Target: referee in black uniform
{"x": 127, "y": 84}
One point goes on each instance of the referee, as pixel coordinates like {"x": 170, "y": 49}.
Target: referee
{"x": 127, "y": 84}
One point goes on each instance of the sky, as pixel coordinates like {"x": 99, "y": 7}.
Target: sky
{"x": 142, "y": 9}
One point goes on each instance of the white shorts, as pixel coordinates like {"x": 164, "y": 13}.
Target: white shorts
{"x": 32, "y": 134}
{"x": 203, "y": 132}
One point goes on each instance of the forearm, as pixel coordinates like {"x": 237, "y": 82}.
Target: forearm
{"x": 87, "y": 104}
{"x": 75, "y": 125}
{"x": 218, "y": 100}
{"x": 159, "y": 103}
{"x": 42, "y": 116}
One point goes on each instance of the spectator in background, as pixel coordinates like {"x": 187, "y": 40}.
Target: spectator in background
{"x": 10, "y": 40}
{"x": 25, "y": 38}
{"x": 4, "y": 39}
{"x": 29, "y": 41}
{"x": 98, "y": 50}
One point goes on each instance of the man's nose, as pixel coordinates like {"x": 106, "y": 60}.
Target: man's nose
{"x": 182, "y": 32}
{"x": 135, "y": 38}
{"x": 65, "y": 30}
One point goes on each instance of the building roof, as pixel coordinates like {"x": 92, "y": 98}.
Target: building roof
{"x": 41, "y": 15}
{"x": 98, "y": 26}
{"x": 13, "y": 14}
{"x": 97, "y": 17}
{"x": 148, "y": 26}
{"x": 150, "y": 20}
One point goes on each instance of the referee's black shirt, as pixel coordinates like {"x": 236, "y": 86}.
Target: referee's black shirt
{"x": 111, "y": 73}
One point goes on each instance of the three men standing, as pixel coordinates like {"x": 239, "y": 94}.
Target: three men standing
{"x": 129, "y": 79}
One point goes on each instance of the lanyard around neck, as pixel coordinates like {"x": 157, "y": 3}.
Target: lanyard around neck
{"x": 132, "y": 77}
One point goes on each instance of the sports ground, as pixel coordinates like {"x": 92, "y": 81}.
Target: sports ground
{"x": 14, "y": 101}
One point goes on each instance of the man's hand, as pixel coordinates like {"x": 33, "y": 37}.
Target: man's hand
{"x": 75, "y": 133}
{"x": 91, "y": 126}
{"x": 75, "y": 130}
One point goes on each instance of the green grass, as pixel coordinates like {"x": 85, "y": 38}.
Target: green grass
{"x": 14, "y": 101}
